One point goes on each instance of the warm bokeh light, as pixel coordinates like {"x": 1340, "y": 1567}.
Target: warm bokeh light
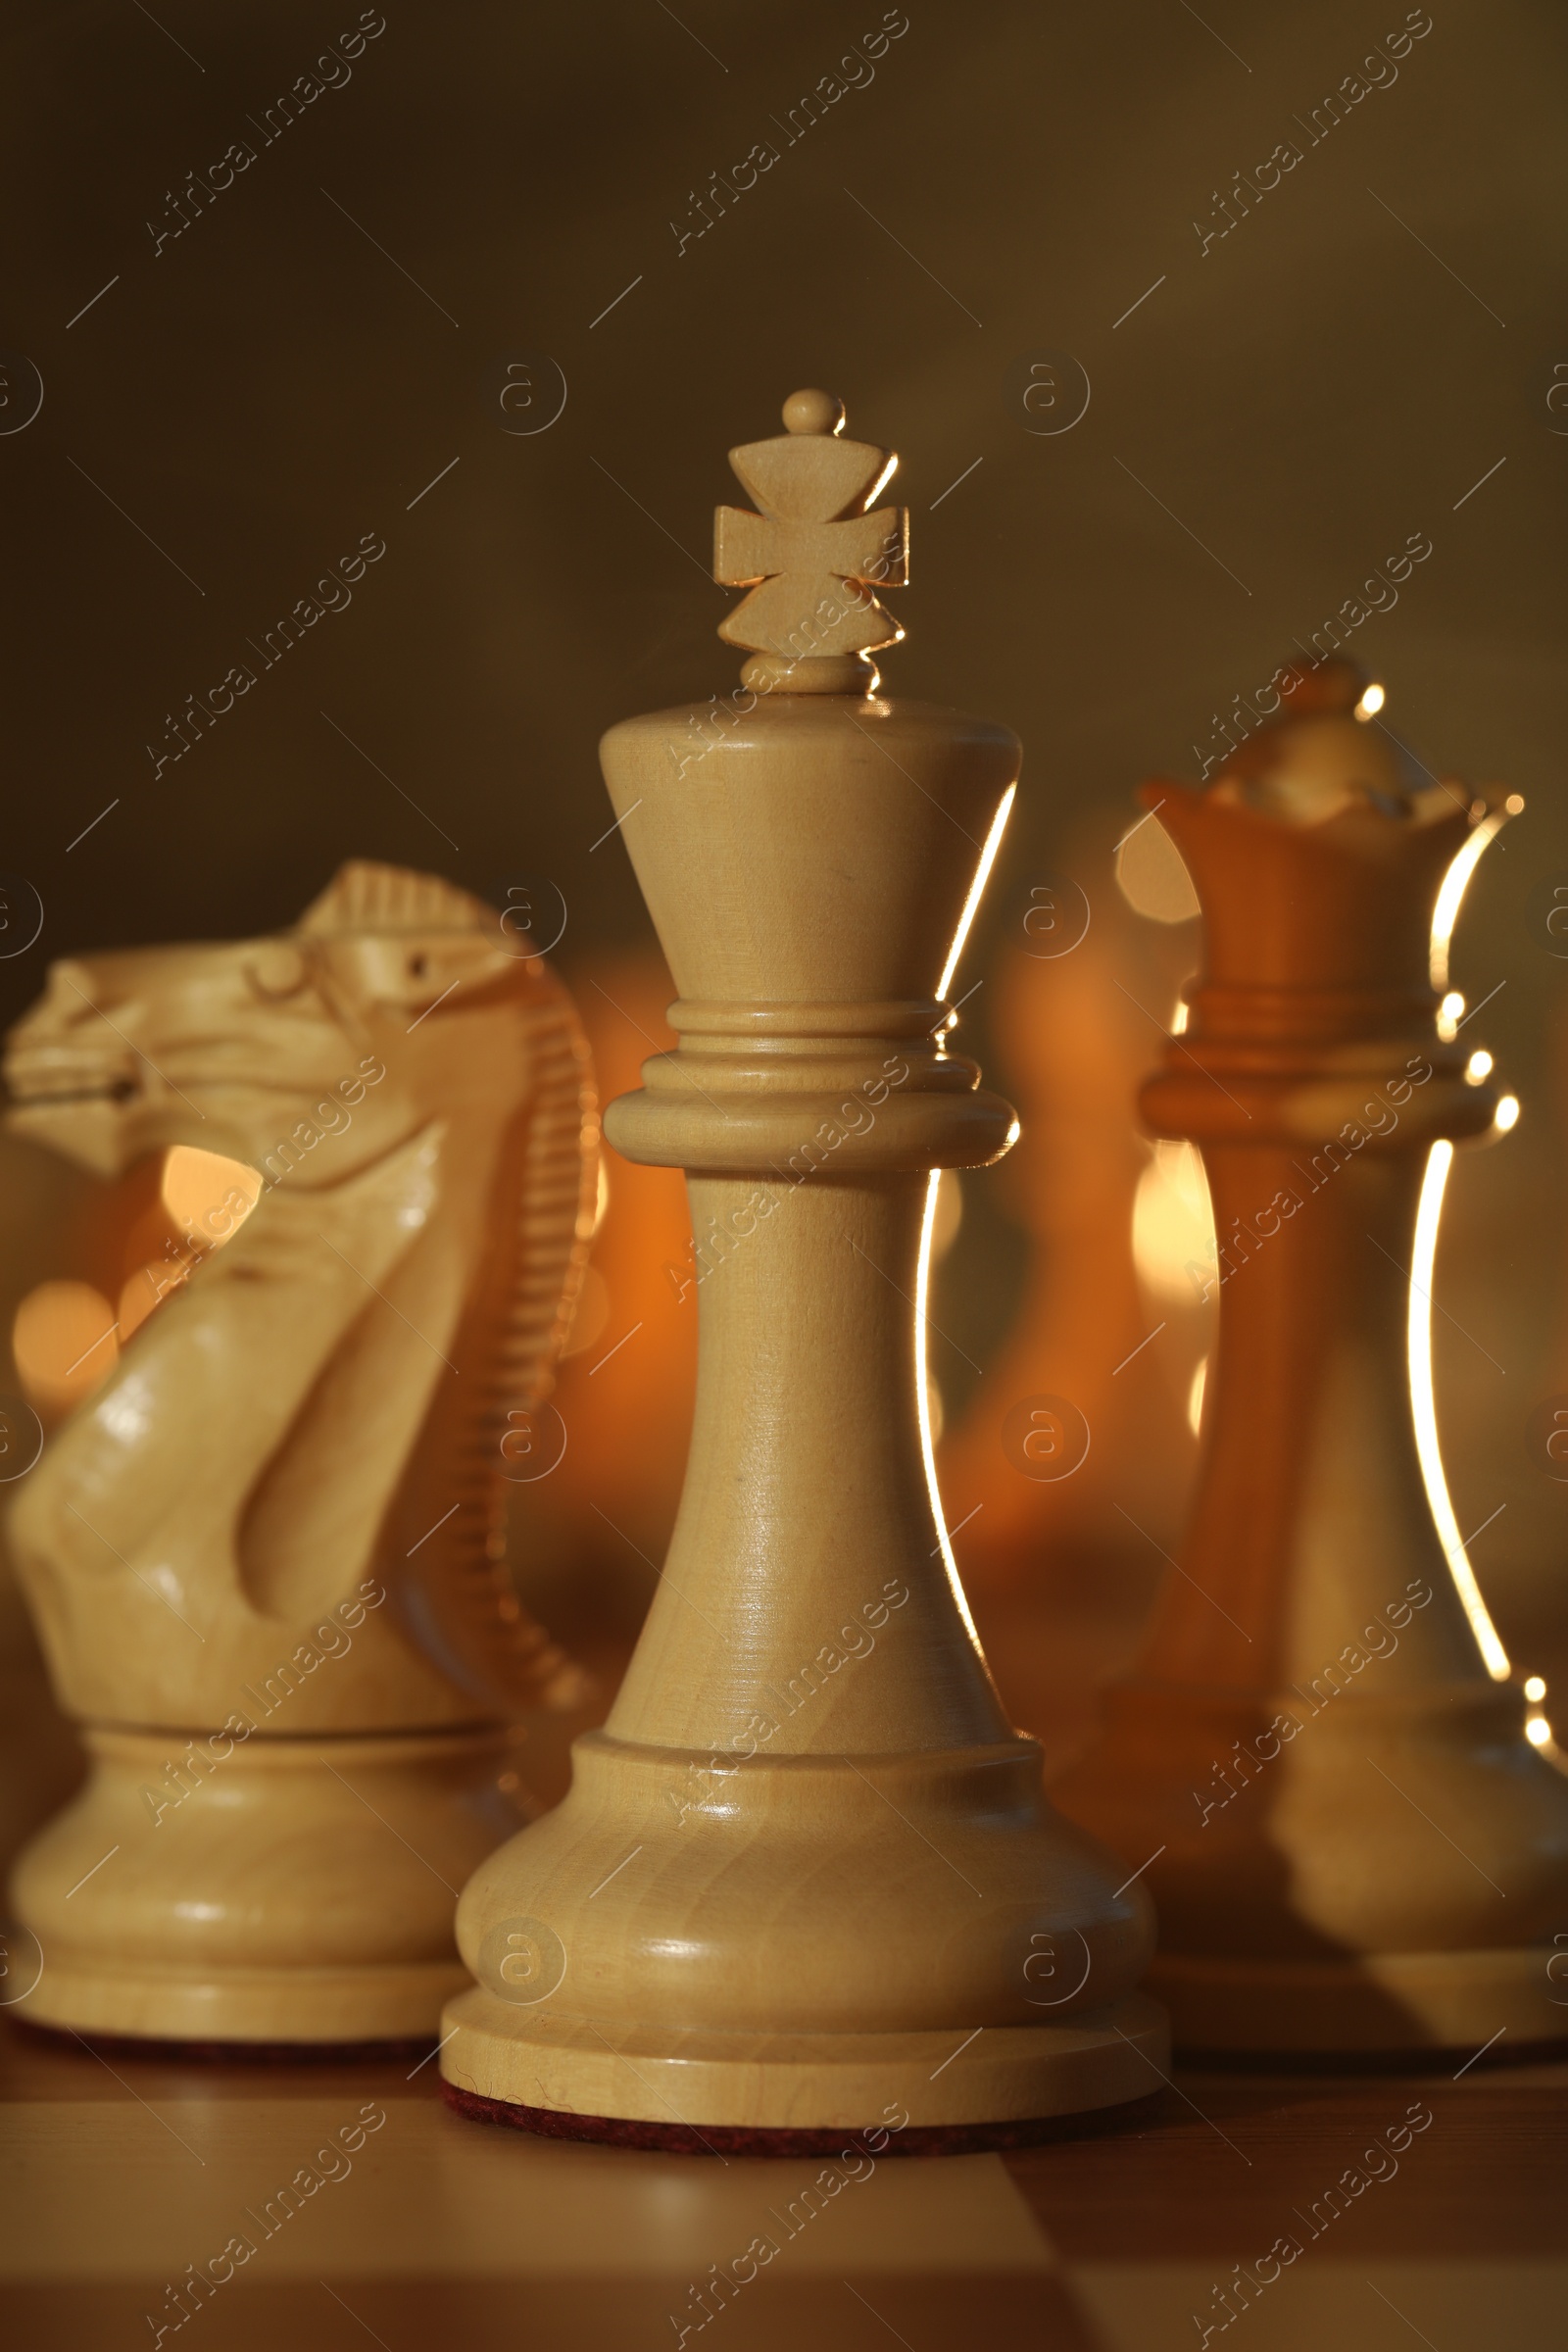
{"x": 1536, "y": 1689}
{"x": 1449, "y": 1014}
{"x": 1478, "y": 1066}
{"x": 930, "y": 1406}
{"x": 1151, "y": 874}
{"x": 1173, "y": 1225}
{"x": 206, "y": 1198}
{"x": 1424, "y": 1411}
{"x": 988, "y": 859}
{"x": 590, "y": 1315}
{"x": 1456, "y": 882}
{"x": 67, "y": 1335}
{"x": 66, "y": 1343}
{"x": 1195, "y": 1396}
{"x": 207, "y": 1195}
{"x": 1538, "y": 1730}
{"x": 1507, "y": 1117}
{"x": 1371, "y": 703}
{"x": 949, "y": 1216}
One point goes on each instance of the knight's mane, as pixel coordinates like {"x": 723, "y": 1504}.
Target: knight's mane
{"x": 544, "y": 1211}
{"x": 520, "y": 1306}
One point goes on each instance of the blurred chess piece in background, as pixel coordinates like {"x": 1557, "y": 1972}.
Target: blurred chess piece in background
{"x": 1500, "y": 1342}
{"x": 1065, "y": 1483}
{"x": 1326, "y": 1763}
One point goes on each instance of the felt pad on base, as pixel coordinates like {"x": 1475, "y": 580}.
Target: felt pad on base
{"x": 734, "y": 2139}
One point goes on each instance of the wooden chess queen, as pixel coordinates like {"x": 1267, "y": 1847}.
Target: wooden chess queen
{"x": 806, "y": 1876}
{"x": 1355, "y": 1847}
{"x": 266, "y": 1557}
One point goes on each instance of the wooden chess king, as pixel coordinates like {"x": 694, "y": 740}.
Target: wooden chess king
{"x": 806, "y": 1876}
{"x": 1355, "y": 1847}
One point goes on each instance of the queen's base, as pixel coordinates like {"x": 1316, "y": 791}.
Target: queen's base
{"x": 856, "y": 2083}
{"x": 1387, "y": 2004}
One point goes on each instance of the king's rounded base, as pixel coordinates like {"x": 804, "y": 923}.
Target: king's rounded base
{"x": 1386, "y": 2004}
{"x": 731, "y": 2139}
{"x": 497, "y": 2050}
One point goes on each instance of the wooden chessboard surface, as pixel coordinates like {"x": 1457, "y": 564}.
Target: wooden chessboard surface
{"x": 118, "y": 2173}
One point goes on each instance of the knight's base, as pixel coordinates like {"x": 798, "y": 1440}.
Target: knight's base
{"x": 272, "y": 2008}
{"x": 1387, "y": 2004}
{"x": 501, "y": 2053}
{"x": 286, "y": 1891}
{"x": 407, "y": 2049}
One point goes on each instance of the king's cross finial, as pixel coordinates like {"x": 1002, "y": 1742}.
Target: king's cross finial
{"x": 814, "y": 559}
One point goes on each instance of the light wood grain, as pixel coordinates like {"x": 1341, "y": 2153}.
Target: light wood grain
{"x": 812, "y": 557}
{"x": 807, "y": 1855}
{"x": 275, "y": 1535}
{"x": 120, "y": 2185}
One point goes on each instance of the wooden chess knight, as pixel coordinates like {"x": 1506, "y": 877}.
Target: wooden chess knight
{"x": 1355, "y": 1847}
{"x": 805, "y": 1876}
{"x": 266, "y": 1557}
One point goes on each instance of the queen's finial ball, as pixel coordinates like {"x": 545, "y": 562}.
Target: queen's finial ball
{"x": 813, "y": 412}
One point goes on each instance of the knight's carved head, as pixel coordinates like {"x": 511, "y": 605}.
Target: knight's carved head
{"x": 343, "y": 1031}
{"x": 412, "y": 1087}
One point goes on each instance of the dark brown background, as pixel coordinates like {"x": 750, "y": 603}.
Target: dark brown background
{"x": 271, "y": 385}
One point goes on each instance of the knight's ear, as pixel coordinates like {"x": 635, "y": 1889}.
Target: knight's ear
{"x": 275, "y": 969}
